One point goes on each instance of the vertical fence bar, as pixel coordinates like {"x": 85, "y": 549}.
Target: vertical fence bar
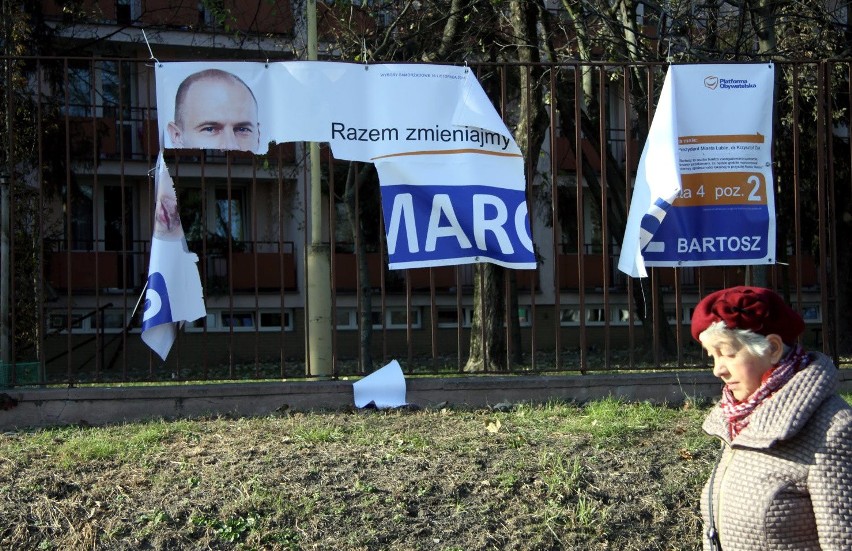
{"x": 604, "y": 155}
{"x": 655, "y": 321}
{"x": 359, "y": 284}
{"x": 532, "y": 275}
{"x": 579, "y": 101}
{"x": 822, "y": 100}
{"x": 40, "y": 278}
{"x": 556, "y": 235}
{"x": 68, "y": 208}
{"x": 460, "y": 319}
{"x": 254, "y": 240}
{"x": 628, "y": 181}
{"x": 229, "y": 236}
{"x": 96, "y": 245}
{"x": 125, "y": 227}
{"x": 831, "y": 216}
{"x": 433, "y": 322}
{"x": 332, "y": 267}
{"x": 383, "y": 286}
{"x": 305, "y": 245}
{"x": 797, "y": 214}
{"x": 282, "y": 276}
{"x": 9, "y": 226}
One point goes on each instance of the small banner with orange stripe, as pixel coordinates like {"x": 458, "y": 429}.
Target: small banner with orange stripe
{"x": 703, "y": 193}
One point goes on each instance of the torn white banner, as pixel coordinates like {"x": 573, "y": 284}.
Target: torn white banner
{"x": 385, "y": 388}
{"x": 657, "y": 183}
{"x": 173, "y": 294}
{"x": 704, "y": 187}
{"x": 471, "y": 208}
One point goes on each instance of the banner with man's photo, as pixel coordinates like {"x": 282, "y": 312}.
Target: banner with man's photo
{"x": 451, "y": 175}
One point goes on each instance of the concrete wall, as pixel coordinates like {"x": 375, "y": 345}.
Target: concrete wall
{"x": 28, "y": 408}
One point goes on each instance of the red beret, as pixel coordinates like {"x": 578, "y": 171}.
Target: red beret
{"x": 755, "y": 308}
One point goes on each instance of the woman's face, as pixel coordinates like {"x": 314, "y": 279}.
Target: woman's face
{"x": 739, "y": 369}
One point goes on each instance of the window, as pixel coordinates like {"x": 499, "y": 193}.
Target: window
{"x": 229, "y": 213}
{"x": 207, "y": 322}
{"x": 80, "y": 83}
{"x": 103, "y": 91}
{"x": 82, "y": 218}
{"x": 215, "y": 213}
{"x": 592, "y": 316}
{"x": 376, "y": 319}
{"x": 244, "y": 320}
{"x": 685, "y": 315}
{"x": 811, "y": 313}
{"x": 99, "y": 88}
{"x": 238, "y": 319}
{"x": 114, "y": 321}
{"x": 671, "y": 316}
{"x": 212, "y": 13}
{"x": 592, "y": 224}
{"x": 524, "y": 316}
{"x": 276, "y": 320}
{"x": 449, "y": 317}
{"x": 345, "y": 319}
{"x": 397, "y": 319}
{"x": 126, "y": 11}
{"x": 58, "y": 321}
{"x": 117, "y": 218}
{"x": 369, "y": 202}
{"x": 569, "y": 316}
{"x": 621, "y": 315}
{"x": 111, "y": 216}
{"x": 596, "y": 315}
{"x": 394, "y": 318}
{"x": 88, "y": 321}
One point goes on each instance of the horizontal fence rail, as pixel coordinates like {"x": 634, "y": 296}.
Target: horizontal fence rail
{"x": 81, "y": 202}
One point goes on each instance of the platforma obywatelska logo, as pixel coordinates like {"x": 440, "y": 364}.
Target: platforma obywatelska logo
{"x": 713, "y": 82}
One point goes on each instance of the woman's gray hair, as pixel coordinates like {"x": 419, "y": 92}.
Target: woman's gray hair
{"x": 755, "y": 343}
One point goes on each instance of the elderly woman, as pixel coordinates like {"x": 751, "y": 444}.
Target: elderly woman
{"x": 784, "y": 475}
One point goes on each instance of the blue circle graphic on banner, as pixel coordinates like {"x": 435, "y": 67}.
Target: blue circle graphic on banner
{"x": 157, "y": 308}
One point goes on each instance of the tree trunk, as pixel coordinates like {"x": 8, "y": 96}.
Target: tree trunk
{"x": 488, "y": 349}
{"x": 487, "y": 330}
{"x": 763, "y": 22}
{"x": 300, "y": 28}
{"x": 365, "y": 322}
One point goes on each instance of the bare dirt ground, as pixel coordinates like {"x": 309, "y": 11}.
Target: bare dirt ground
{"x": 602, "y": 476}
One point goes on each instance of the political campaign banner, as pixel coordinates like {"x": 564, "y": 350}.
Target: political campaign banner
{"x": 173, "y": 293}
{"x": 703, "y": 193}
{"x": 468, "y": 184}
{"x": 433, "y": 220}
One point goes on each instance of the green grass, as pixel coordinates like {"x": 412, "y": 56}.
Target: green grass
{"x": 604, "y": 475}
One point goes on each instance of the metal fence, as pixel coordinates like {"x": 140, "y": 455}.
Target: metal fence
{"x": 79, "y": 195}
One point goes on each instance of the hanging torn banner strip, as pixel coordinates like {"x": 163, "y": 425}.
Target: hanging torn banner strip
{"x": 173, "y": 293}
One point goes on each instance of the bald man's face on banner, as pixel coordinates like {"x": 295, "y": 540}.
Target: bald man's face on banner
{"x": 215, "y": 111}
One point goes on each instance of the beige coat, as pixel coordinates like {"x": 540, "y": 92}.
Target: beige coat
{"x": 785, "y": 482}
